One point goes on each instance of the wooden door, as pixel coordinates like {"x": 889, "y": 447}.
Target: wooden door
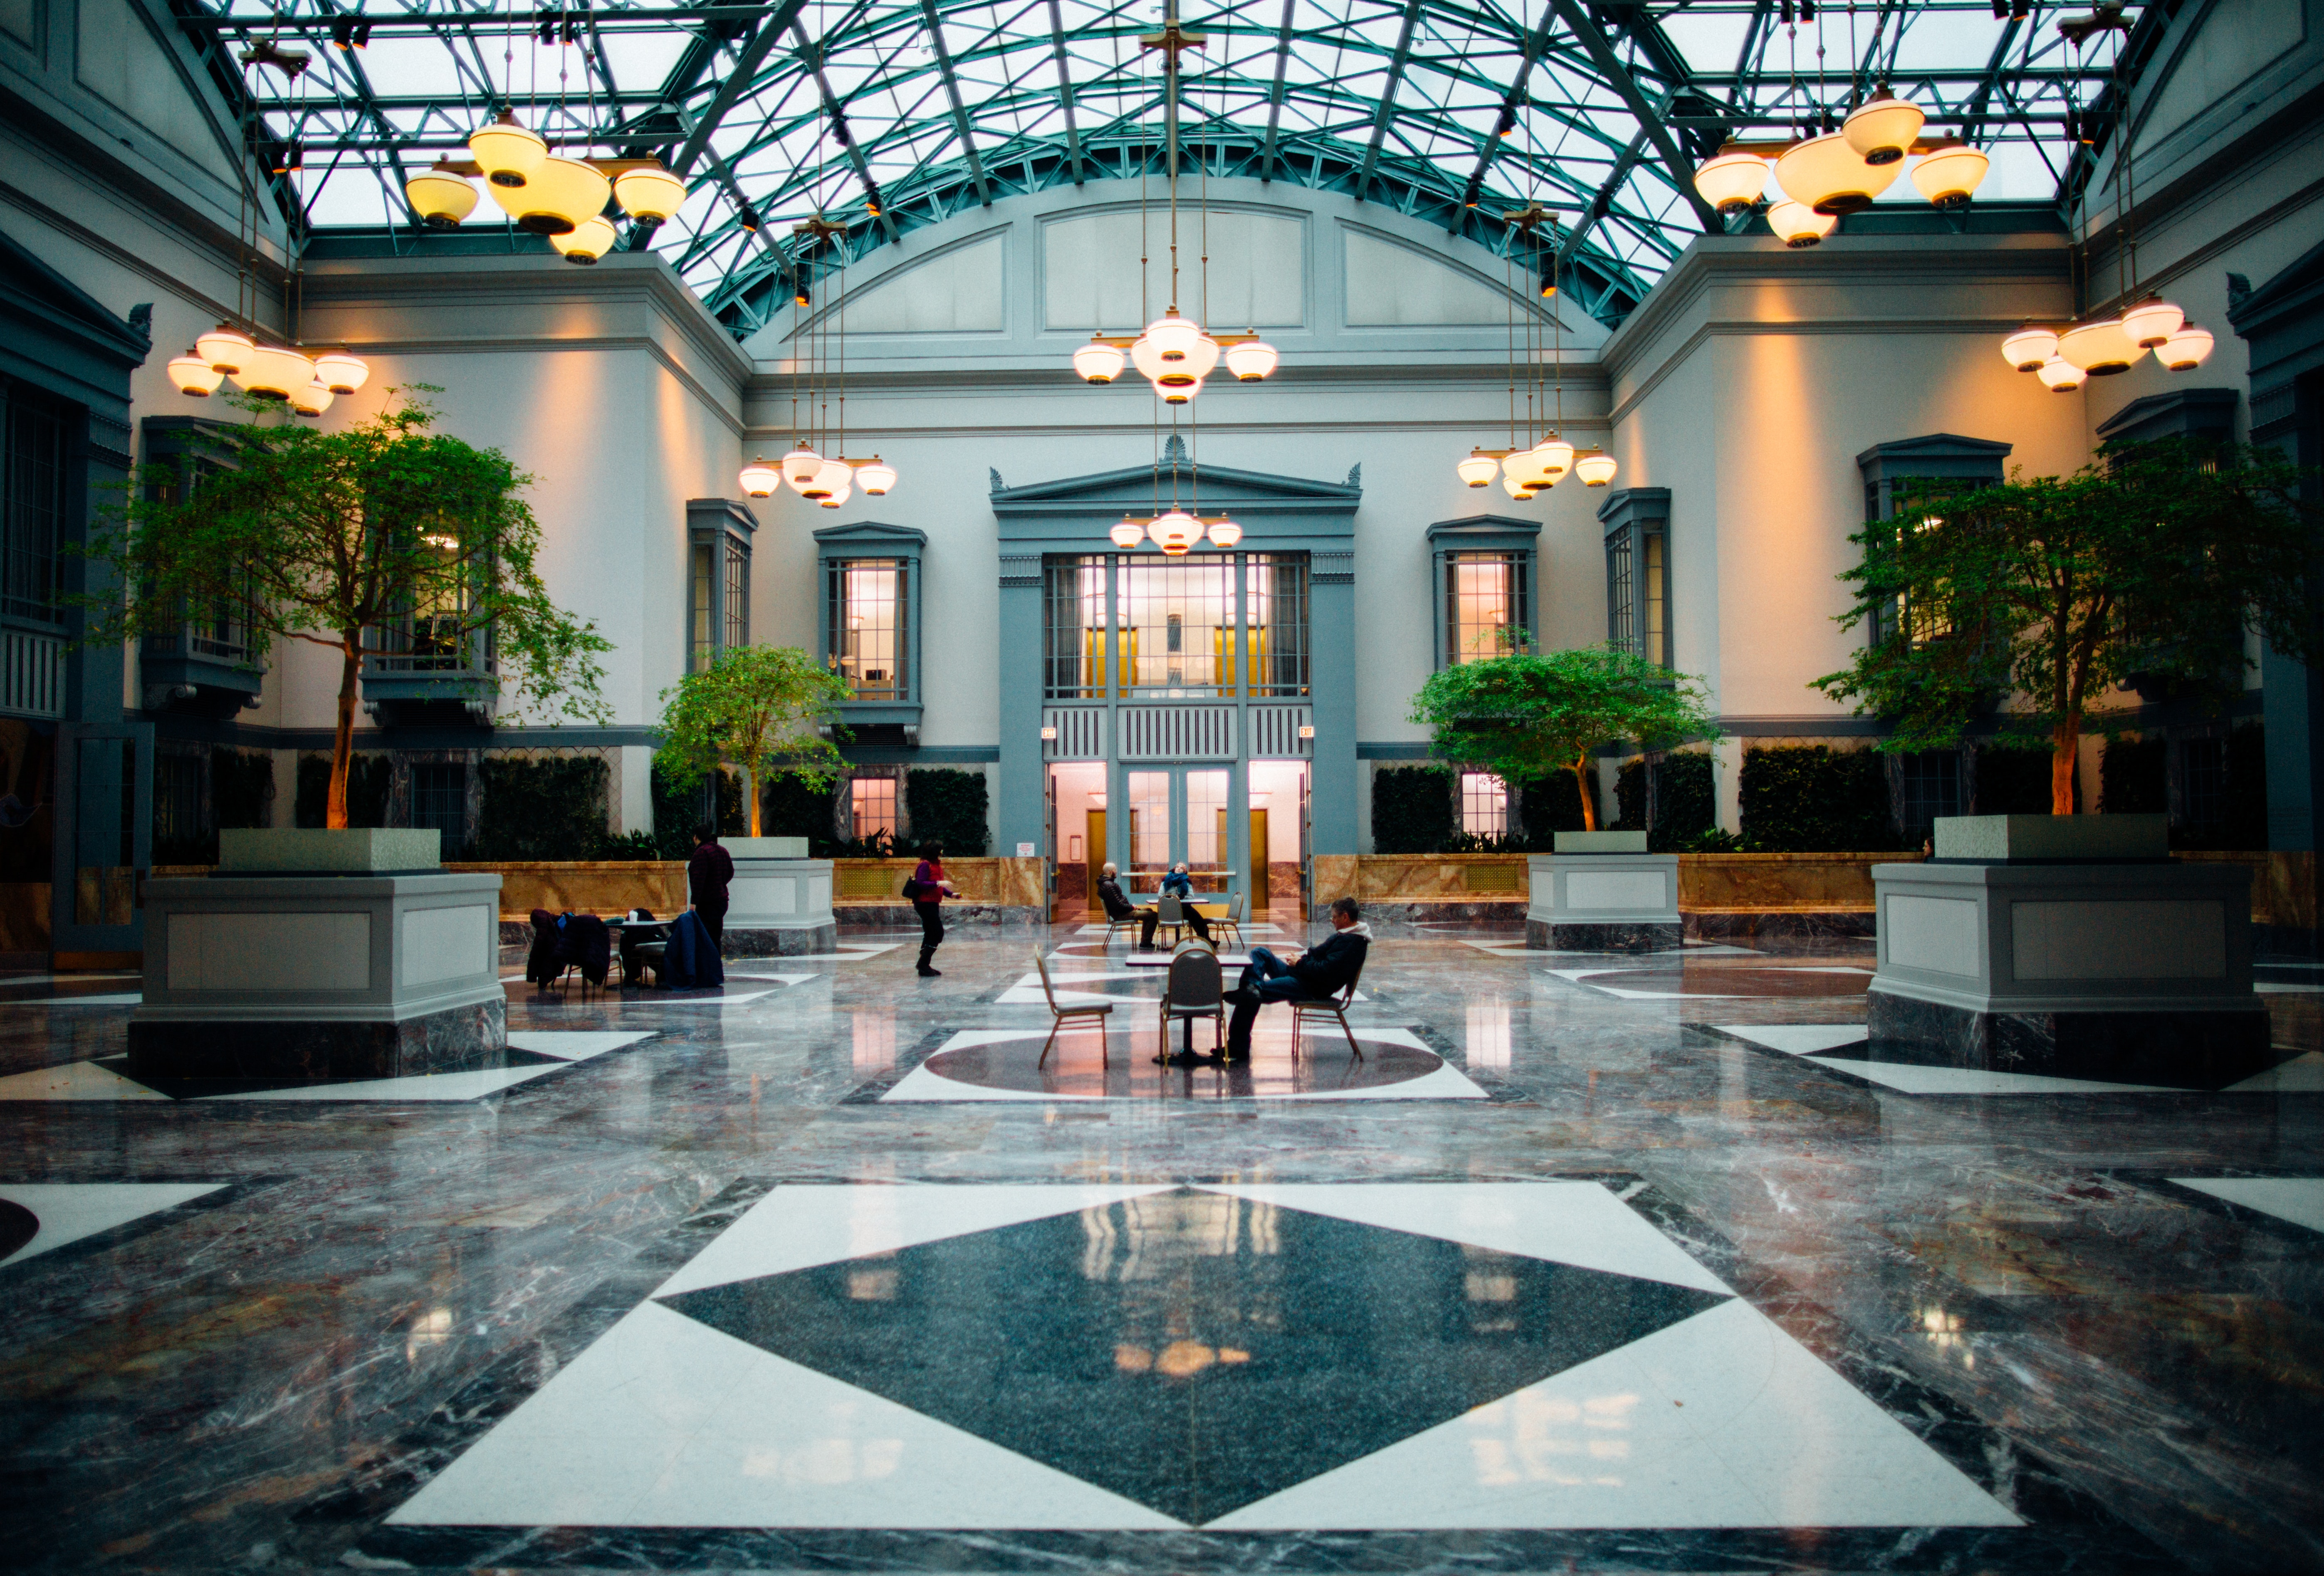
{"x": 1094, "y": 848}
{"x": 1257, "y": 863}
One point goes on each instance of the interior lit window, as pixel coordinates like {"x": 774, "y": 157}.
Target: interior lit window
{"x": 1484, "y": 603}
{"x": 869, "y": 628}
{"x": 872, "y": 805}
{"x": 1484, "y": 804}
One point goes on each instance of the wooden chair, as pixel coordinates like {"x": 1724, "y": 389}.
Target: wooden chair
{"x": 1232, "y": 921}
{"x": 1081, "y": 1015}
{"x": 1334, "y": 1007}
{"x": 1193, "y": 989}
{"x": 1170, "y": 915}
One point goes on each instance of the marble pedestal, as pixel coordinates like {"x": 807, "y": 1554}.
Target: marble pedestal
{"x": 1602, "y": 891}
{"x": 779, "y": 905}
{"x": 2129, "y": 973}
{"x": 320, "y": 976}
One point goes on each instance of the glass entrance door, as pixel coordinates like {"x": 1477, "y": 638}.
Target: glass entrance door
{"x": 1178, "y": 813}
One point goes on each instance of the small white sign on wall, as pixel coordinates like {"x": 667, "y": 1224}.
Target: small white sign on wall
{"x": 1024, "y": 851}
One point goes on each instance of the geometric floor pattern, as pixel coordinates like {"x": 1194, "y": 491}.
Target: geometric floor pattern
{"x": 533, "y": 1054}
{"x": 1828, "y": 1045}
{"x": 1006, "y": 1064}
{"x": 1237, "y": 1357}
{"x": 37, "y": 1218}
{"x": 2299, "y": 1200}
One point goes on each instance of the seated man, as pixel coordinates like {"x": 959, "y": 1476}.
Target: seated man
{"x": 1181, "y": 884}
{"x": 1116, "y": 906}
{"x": 1320, "y": 970}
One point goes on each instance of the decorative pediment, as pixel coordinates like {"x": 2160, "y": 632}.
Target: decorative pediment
{"x": 1176, "y": 478}
{"x": 869, "y": 536}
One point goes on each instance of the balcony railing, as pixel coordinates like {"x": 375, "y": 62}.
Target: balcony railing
{"x": 31, "y": 674}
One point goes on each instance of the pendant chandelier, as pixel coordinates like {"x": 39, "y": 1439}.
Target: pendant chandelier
{"x": 2099, "y": 345}
{"x": 543, "y": 192}
{"x": 1528, "y": 470}
{"x": 1175, "y": 353}
{"x": 1826, "y": 173}
{"x": 827, "y": 481}
{"x": 306, "y": 383}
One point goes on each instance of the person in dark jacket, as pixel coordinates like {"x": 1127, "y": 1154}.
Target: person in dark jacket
{"x": 1320, "y": 970}
{"x": 1180, "y": 883}
{"x": 708, "y": 874}
{"x": 930, "y": 890}
{"x": 1109, "y": 893}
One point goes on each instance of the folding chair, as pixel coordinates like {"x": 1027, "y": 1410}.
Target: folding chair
{"x": 1128, "y": 924}
{"x": 1082, "y": 1015}
{"x": 1193, "y": 989}
{"x": 1170, "y": 915}
{"x": 1334, "y": 1007}
{"x": 1233, "y": 922}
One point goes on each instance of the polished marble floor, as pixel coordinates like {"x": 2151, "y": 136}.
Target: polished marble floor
{"x": 1573, "y": 1262}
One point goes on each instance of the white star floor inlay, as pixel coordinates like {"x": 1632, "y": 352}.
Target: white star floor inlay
{"x": 81, "y": 1081}
{"x": 1808, "y": 1041}
{"x": 2297, "y": 1199}
{"x": 1721, "y": 1420}
{"x": 69, "y": 1211}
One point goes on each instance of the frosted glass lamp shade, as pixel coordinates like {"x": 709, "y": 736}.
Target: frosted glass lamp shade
{"x": 1828, "y": 175}
{"x": 1529, "y": 469}
{"x": 587, "y": 241}
{"x": 1176, "y": 533}
{"x": 2101, "y": 348}
{"x": 1732, "y": 183}
{"x": 2185, "y": 350}
{"x": 2029, "y": 347}
{"x": 195, "y": 376}
{"x": 441, "y": 197}
{"x": 274, "y": 372}
{"x": 340, "y": 373}
{"x": 1174, "y": 354}
{"x": 225, "y": 348}
{"x": 877, "y": 477}
{"x": 1479, "y": 468}
{"x": 1510, "y": 486}
{"x": 838, "y": 495}
{"x": 1950, "y": 177}
{"x": 1881, "y": 129}
{"x": 651, "y": 193}
{"x": 556, "y": 196}
{"x": 1594, "y": 468}
{"x": 1799, "y": 224}
{"x": 2063, "y": 376}
{"x": 311, "y": 400}
{"x": 1251, "y": 360}
{"x": 507, "y": 152}
{"x": 1556, "y": 458}
{"x": 1127, "y": 534}
{"x": 800, "y": 468}
{"x": 2152, "y": 322}
{"x": 830, "y": 476}
{"x": 760, "y": 479}
{"x": 1098, "y": 362}
{"x": 1225, "y": 533}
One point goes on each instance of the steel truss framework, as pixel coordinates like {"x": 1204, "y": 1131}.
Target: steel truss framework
{"x": 887, "y": 115}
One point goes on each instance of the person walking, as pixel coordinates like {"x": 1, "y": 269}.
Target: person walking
{"x": 708, "y": 874}
{"x": 930, "y": 890}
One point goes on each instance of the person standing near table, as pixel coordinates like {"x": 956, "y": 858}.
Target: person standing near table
{"x": 930, "y": 890}
{"x": 708, "y": 874}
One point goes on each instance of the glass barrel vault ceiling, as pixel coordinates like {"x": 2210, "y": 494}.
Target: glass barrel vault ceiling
{"x": 890, "y": 115}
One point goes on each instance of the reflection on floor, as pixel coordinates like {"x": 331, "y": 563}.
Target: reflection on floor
{"x": 1587, "y": 1262}
{"x": 1254, "y": 1357}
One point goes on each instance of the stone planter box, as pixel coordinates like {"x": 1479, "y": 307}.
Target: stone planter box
{"x": 601, "y": 887}
{"x": 311, "y": 977}
{"x": 779, "y": 903}
{"x": 2131, "y": 972}
{"x": 1621, "y": 899}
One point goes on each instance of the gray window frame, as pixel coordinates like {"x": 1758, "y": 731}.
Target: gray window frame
{"x": 1483, "y": 534}
{"x": 1961, "y": 462}
{"x": 723, "y": 529}
{"x": 1630, "y": 519}
{"x": 836, "y": 548}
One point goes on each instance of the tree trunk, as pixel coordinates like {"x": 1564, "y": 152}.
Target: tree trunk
{"x": 750, "y": 787}
{"x": 342, "y": 737}
{"x": 1589, "y": 805}
{"x": 2065, "y": 744}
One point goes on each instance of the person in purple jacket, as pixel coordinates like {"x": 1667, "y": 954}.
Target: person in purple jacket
{"x": 930, "y": 890}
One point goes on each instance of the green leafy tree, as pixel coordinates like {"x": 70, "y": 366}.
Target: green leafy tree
{"x": 337, "y": 538}
{"x": 1527, "y": 714}
{"x": 2152, "y": 561}
{"x": 760, "y": 707}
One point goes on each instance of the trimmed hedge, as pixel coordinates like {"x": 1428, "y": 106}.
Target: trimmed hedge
{"x": 1686, "y": 800}
{"x": 2014, "y": 780}
{"x": 947, "y": 805}
{"x": 1808, "y": 798}
{"x": 367, "y": 778}
{"x": 788, "y": 807}
{"x": 2133, "y": 776}
{"x": 242, "y": 787}
{"x": 1411, "y": 809}
{"x": 1551, "y": 804}
{"x": 552, "y": 808}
